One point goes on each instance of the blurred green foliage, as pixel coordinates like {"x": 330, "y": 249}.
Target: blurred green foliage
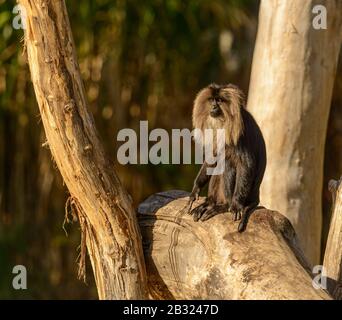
{"x": 139, "y": 61}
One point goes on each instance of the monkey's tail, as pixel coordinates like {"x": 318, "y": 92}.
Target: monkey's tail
{"x": 245, "y": 216}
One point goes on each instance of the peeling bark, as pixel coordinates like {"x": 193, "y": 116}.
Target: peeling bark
{"x": 107, "y": 218}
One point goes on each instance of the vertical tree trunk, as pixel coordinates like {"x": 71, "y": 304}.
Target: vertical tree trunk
{"x": 333, "y": 251}
{"x": 105, "y": 212}
{"x": 292, "y": 79}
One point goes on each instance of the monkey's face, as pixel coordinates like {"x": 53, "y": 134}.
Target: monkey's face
{"x": 219, "y": 106}
{"x": 215, "y": 105}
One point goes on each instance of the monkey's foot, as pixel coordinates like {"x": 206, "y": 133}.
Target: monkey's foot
{"x": 206, "y": 211}
{"x": 236, "y": 209}
{"x": 193, "y": 196}
{"x": 198, "y": 211}
{"x": 236, "y": 215}
{"x": 247, "y": 211}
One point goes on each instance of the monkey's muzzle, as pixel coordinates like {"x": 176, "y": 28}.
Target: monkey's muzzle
{"x": 215, "y": 111}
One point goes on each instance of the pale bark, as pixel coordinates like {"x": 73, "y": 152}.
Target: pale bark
{"x": 290, "y": 92}
{"x": 211, "y": 260}
{"x": 108, "y": 222}
{"x": 333, "y": 251}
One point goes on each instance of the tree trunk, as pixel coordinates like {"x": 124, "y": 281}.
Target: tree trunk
{"x": 107, "y": 218}
{"x": 290, "y": 91}
{"x": 333, "y": 251}
{"x": 211, "y": 260}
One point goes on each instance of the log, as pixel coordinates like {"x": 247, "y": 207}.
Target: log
{"x": 211, "y": 260}
{"x": 333, "y": 251}
{"x": 292, "y": 79}
{"x": 104, "y": 209}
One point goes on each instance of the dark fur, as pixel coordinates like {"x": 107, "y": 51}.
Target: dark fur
{"x": 237, "y": 189}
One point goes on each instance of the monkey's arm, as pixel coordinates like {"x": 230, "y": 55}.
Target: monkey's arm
{"x": 200, "y": 181}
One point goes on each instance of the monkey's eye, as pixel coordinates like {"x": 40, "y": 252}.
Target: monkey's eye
{"x": 211, "y": 99}
{"x": 219, "y": 100}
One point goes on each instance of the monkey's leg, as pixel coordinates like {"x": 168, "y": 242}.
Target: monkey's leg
{"x": 243, "y": 187}
{"x": 229, "y": 178}
{"x": 212, "y": 211}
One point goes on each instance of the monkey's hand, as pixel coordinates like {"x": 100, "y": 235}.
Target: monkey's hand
{"x": 207, "y": 210}
{"x": 194, "y": 195}
{"x": 236, "y": 209}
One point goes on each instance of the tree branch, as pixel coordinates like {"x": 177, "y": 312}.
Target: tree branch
{"x": 107, "y": 218}
{"x": 212, "y": 260}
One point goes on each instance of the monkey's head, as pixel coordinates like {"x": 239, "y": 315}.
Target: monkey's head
{"x": 219, "y": 107}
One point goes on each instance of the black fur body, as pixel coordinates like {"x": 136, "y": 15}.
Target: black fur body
{"x": 237, "y": 188}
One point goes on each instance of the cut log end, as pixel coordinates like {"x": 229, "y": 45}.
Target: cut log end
{"x": 212, "y": 260}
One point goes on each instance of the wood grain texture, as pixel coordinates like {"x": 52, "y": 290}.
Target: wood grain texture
{"x": 211, "y": 260}
{"x": 107, "y": 219}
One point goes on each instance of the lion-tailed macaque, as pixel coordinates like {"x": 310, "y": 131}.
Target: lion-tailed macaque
{"x": 236, "y": 190}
